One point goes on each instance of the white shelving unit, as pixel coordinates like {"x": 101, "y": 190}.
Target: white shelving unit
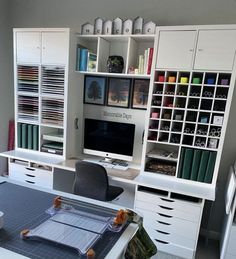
{"x": 43, "y": 88}
{"x": 127, "y": 46}
{"x": 191, "y": 87}
{"x": 48, "y": 115}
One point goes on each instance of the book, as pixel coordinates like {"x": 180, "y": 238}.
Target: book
{"x": 35, "y": 137}
{"x": 187, "y": 163}
{"x": 19, "y": 135}
{"x": 24, "y": 135}
{"x": 195, "y": 165}
{"x": 210, "y": 167}
{"x": 30, "y": 136}
{"x": 181, "y": 162}
{"x": 83, "y": 59}
{"x": 140, "y": 64}
{"x": 203, "y": 166}
{"x": 149, "y": 63}
{"x": 91, "y": 62}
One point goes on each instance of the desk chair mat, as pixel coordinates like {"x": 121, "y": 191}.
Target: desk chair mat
{"x": 24, "y": 208}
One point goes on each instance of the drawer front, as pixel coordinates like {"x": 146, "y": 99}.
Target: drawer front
{"x": 174, "y": 249}
{"x": 186, "y": 206}
{"x": 171, "y": 225}
{"x": 191, "y": 215}
{"x": 170, "y": 238}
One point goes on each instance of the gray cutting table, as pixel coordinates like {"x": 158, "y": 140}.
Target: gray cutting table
{"x": 24, "y": 208}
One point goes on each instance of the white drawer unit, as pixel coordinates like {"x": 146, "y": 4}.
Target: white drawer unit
{"x": 31, "y": 173}
{"x": 171, "y": 219}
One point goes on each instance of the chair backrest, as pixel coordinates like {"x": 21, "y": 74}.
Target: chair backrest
{"x": 91, "y": 180}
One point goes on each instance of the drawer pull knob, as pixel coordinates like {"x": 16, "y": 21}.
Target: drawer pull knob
{"x": 164, "y": 199}
{"x": 30, "y": 175}
{"x": 30, "y": 169}
{"x": 163, "y": 242}
{"x": 163, "y": 215}
{"x": 30, "y": 182}
{"x": 162, "y": 232}
{"x": 164, "y": 207}
{"x": 164, "y": 223}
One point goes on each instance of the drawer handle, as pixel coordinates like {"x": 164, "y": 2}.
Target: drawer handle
{"x": 163, "y": 242}
{"x": 163, "y": 215}
{"x": 30, "y": 169}
{"x": 164, "y": 199}
{"x": 164, "y": 207}
{"x": 30, "y": 175}
{"x": 30, "y": 182}
{"x": 164, "y": 223}
{"x": 162, "y": 232}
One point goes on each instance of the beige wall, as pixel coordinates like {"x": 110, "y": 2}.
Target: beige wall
{"x": 73, "y": 13}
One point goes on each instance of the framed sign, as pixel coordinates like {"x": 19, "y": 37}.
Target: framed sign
{"x": 140, "y": 94}
{"x": 119, "y": 92}
{"x": 94, "y": 90}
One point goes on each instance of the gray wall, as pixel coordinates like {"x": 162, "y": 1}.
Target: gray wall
{"x": 6, "y": 79}
{"x": 73, "y": 13}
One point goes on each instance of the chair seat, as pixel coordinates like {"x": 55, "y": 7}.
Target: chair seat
{"x": 113, "y": 192}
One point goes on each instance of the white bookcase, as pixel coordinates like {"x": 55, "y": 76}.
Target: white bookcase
{"x": 191, "y": 88}
{"x": 47, "y": 97}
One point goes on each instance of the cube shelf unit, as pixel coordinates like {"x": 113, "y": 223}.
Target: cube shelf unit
{"x": 43, "y": 86}
{"x": 190, "y": 95}
{"x": 127, "y": 46}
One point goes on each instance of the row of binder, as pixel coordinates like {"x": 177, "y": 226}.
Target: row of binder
{"x": 27, "y": 136}
{"x": 197, "y": 165}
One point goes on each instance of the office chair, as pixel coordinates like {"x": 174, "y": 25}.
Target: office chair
{"x": 91, "y": 181}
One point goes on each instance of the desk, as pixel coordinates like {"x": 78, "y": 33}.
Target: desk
{"x": 120, "y": 175}
{"x": 30, "y": 208}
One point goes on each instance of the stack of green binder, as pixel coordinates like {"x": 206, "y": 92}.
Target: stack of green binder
{"x": 196, "y": 165}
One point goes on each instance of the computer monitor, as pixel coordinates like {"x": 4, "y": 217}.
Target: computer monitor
{"x": 108, "y": 139}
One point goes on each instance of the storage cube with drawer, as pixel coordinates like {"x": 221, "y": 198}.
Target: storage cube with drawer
{"x": 171, "y": 219}
{"x": 31, "y": 173}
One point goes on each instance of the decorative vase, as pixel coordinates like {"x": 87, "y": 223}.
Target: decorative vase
{"x": 115, "y": 64}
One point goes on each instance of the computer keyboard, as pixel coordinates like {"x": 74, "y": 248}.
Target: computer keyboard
{"x": 115, "y": 165}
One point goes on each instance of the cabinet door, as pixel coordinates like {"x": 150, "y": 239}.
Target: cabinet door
{"x": 215, "y": 49}
{"x": 28, "y": 47}
{"x": 175, "y": 49}
{"x": 55, "y": 47}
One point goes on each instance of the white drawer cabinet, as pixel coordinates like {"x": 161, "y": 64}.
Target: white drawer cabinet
{"x": 172, "y": 220}
{"x": 31, "y": 173}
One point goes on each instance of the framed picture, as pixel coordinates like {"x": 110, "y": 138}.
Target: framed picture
{"x": 94, "y": 90}
{"x": 140, "y": 93}
{"x": 119, "y": 92}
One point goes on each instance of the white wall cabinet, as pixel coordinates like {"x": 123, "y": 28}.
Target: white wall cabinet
{"x": 215, "y": 49}
{"x": 176, "y": 49}
{"x": 212, "y": 49}
{"x": 28, "y": 46}
{"x": 46, "y": 47}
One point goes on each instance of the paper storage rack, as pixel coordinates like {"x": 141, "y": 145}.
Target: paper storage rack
{"x": 187, "y": 111}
